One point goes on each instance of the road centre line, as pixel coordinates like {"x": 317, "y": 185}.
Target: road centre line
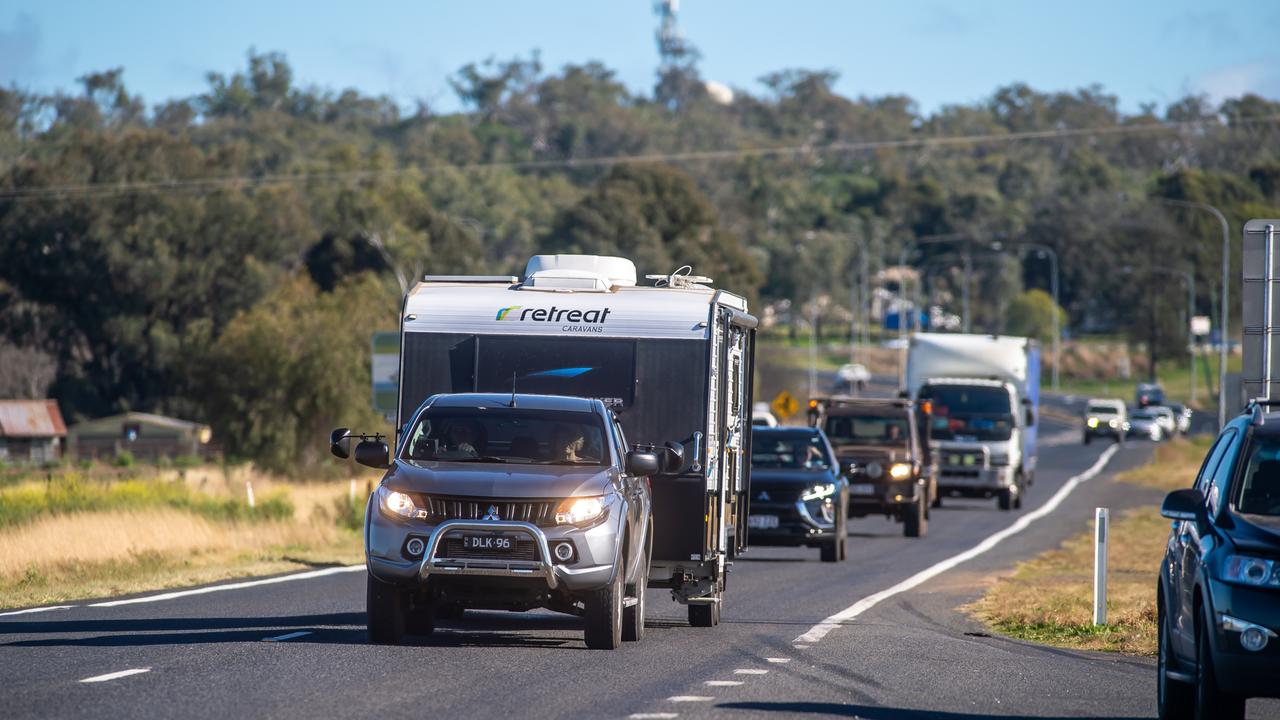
{"x": 778, "y": 660}
{"x": 819, "y": 631}
{"x": 308, "y": 575}
{"x": 115, "y": 675}
{"x": 653, "y": 716}
{"x": 750, "y": 671}
{"x": 289, "y": 636}
{"x": 723, "y": 683}
{"x": 36, "y": 610}
{"x": 690, "y": 698}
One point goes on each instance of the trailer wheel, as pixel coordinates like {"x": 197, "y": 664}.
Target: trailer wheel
{"x": 604, "y": 615}
{"x": 385, "y": 606}
{"x": 706, "y": 614}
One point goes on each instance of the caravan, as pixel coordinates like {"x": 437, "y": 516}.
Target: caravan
{"x": 672, "y": 362}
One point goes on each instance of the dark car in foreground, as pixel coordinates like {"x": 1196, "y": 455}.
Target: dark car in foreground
{"x": 1218, "y": 598}
{"x": 508, "y": 502}
{"x": 798, "y": 496}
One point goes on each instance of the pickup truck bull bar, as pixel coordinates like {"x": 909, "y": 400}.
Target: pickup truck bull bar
{"x": 433, "y": 565}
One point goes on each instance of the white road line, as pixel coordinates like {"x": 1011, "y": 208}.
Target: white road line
{"x": 750, "y": 671}
{"x": 778, "y": 660}
{"x": 819, "y": 631}
{"x": 723, "y": 683}
{"x": 690, "y": 698}
{"x": 290, "y": 636}
{"x": 231, "y": 586}
{"x": 115, "y": 675}
{"x": 653, "y": 716}
{"x": 36, "y": 610}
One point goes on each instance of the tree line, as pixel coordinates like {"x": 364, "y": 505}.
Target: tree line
{"x": 224, "y": 257}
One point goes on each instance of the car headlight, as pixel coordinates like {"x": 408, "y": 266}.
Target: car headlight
{"x": 817, "y": 492}
{"x": 396, "y": 503}
{"x": 873, "y": 470}
{"x": 900, "y": 471}
{"x": 1114, "y": 422}
{"x": 581, "y": 511}
{"x": 1248, "y": 570}
{"x": 1093, "y": 422}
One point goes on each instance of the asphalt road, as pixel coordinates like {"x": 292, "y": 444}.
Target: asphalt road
{"x": 912, "y": 655}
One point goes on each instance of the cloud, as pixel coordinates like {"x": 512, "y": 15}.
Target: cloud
{"x": 1260, "y": 77}
{"x": 20, "y": 51}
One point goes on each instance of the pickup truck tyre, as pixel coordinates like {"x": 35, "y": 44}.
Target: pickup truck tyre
{"x": 604, "y": 615}
{"x": 914, "y": 522}
{"x": 450, "y": 611}
{"x": 633, "y": 617}
{"x": 706, "y": 614}
{"x": 385, "y": 606}
{"x": 1211, "y": 702}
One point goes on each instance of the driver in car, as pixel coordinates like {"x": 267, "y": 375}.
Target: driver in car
{"x": 460, "y": 443}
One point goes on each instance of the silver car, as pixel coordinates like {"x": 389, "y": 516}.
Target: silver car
{"x": 1145, "y": 422}
{"x": 507, "y": 502}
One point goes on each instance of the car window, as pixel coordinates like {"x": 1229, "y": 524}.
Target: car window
{"x": 1211, "y": 460}
{"x": 509, "y": 435}
{"x": 1259, "y": 489}
{"x": 867, "y": 430}
{"x": 1220, "y": 483}
{"x": 789, "y": 451}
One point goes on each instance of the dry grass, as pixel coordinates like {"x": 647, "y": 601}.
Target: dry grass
{"x": 1049, "y": 598}
{"x": 93, "y": 552}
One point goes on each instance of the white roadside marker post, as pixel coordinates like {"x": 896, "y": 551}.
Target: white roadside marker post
{"x": 1100, "y": 566}
{"x": 248, "y": 491}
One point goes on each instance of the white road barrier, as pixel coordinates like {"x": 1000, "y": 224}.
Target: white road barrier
{"x": 819, "y": 631}
{"x": 1100, "y": 521}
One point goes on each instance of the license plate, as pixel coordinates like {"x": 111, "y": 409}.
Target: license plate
{"x": 762, "y": 522}
{"x": 862, "y": 489}
{"x": 499, "y": 543}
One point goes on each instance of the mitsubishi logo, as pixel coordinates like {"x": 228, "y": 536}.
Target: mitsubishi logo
{"x": 492, "y": 514}
{"x": 763, "y": 496}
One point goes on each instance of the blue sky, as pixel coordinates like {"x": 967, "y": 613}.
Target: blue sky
{"x": 938, "y": 52}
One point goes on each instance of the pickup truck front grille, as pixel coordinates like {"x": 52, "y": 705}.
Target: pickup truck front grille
{"x": 441, "y": 508}
{"x": 524, "y": 550}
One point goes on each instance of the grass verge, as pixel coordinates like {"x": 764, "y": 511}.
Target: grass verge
{"x": 79, "y": 536}
{"x": 1049, "y": 598}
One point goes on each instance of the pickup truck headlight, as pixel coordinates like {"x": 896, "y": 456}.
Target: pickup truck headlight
{"x": 900, "y": 471}
{"x": 1093, "y": 422}
{"x": 581, "y": 511}
{"x": 1248, "y": 570}
{"x": 396, "y": 503}
{"x": 817, "y": 492}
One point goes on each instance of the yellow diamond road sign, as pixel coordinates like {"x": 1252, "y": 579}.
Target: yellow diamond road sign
{"x": 785, "y": 405}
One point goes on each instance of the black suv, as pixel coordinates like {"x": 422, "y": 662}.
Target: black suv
{"x": 883, "y": 446}
{"x": 1219, "y": 591}
{"x": 798, "y": 496}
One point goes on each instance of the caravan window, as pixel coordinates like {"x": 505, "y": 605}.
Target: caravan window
{"x": 597, "y": 369}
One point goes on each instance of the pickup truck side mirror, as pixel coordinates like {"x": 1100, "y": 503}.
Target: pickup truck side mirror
{"x": 374, "y": 453}
{"x": 672, "y": 456}
{"x": 340, "y": 443}
{"x": 1031, "y": 416}
{"x": 1185, "y": 504}
{"x": 642, "y": 463}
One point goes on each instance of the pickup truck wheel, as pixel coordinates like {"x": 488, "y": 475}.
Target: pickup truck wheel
{"x": 604, "y": 615}
{"x": 1211, "y": 702}
{"x": 914, "y": 522}
{"x": 633, "y": 616}
{"x": 385, "y": 606}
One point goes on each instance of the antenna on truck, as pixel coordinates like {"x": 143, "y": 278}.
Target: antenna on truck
{"x": 513, "y": 388}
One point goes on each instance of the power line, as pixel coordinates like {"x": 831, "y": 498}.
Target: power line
{"x": 91, "y": 190}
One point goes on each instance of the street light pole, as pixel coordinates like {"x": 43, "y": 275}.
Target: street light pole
{"x": 1223, "y": 323}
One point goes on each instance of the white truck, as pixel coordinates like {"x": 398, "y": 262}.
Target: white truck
{"x": 985, "y": 393}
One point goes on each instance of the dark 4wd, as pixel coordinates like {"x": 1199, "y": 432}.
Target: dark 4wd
{"x": 883, "y": 447}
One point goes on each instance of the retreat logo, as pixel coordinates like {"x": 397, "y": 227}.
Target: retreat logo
{"x": 505, "y": 312}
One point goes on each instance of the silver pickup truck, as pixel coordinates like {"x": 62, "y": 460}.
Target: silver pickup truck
{"x": 507, "y": 502}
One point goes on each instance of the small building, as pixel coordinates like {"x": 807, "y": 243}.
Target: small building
{"x": 31, "y": 431}
{"x": 143, "y": 435}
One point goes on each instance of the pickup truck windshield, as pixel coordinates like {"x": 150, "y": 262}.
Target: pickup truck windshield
{"x": 968, "y": 412}
{"x": 867, "y": 430}
{"x": 1103, "y": 410}
{"x": 507, "y": 435}
{"x": 1259, "y": 492}
{"x": 788, "y": 451}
